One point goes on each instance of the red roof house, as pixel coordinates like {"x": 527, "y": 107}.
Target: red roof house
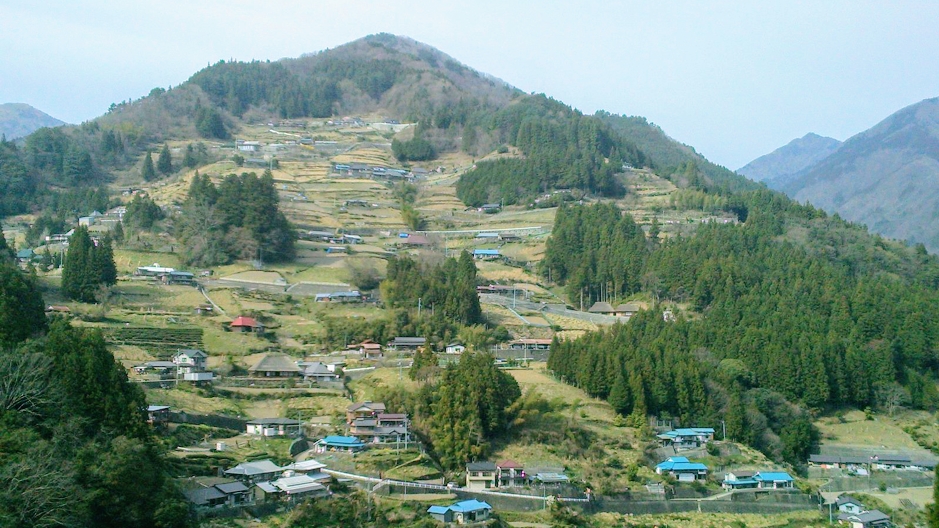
{"x": 246, "y": 324}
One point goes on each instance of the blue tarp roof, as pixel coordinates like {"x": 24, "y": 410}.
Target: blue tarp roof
{"x": 492, "y": 252}
{"x": 680, "y": 464}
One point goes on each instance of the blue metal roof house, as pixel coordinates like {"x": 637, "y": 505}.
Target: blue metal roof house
{"x": 463, "y": 512}
{"x": 486, "y": 254}
{"x": 687, "y": 438}
{"x": 773, "y": 480}
{"x": 338, "y": 443}
{"x": 682, "y": 469}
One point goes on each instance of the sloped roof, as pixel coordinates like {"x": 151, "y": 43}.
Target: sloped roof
{"x": 470, "y": 506}
{"x": 438, "y": 510}
{"x": 192, "y": 352}
{"x": 601, "y": 307}
{"x": 202, "y": 496}
{"x": 342, "y": 441}
{"x": 275, "y": 363}
{"x": 847, "y": 499}
{"x": 297, "y": 484}
{"x": 480, "y": 466}
{"x": 627, "y": 307}
{"x": 245, "y": 321}
{"x": 317, "y": 368}
{"x": 509, "y": 464}
{"x": 254, "y": 468}
{"x": 372, "y": 406}
{"x": 231, "y": 487}
{"x": 773, "y": 476}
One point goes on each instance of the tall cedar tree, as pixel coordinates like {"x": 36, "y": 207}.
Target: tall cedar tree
{"x": 87, "y": 266}
{"x": 147, "y": 171}
{"x": 165, "y": 161}
{"x": 6, "y": 252}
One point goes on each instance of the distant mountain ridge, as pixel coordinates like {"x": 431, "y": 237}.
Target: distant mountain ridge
{"x": 886, "y": 177}
{"x": 786, "y": 162}
{"x": 20, "y": 120}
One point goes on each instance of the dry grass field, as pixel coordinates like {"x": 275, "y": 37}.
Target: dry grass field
{"x": 857, "y": 432}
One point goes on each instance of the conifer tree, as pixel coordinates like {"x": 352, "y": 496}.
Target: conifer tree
{"x": 165, "y": 161}
{"x": 147, "y": 171}
{"x": 932, "y": 510}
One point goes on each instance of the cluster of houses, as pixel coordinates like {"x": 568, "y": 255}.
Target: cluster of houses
{"x": 378, "y": 171}
{"x": 854, "y": 514}
{"x": 864, "y": 463}
{"x": 684, "y": 470}
{"x": 333, "y": 238}
{"x": 188, "y": 364}
{"x": 508, "y": 474}
{"x": 260, "y": 482}
{"x": 370, "y": 424}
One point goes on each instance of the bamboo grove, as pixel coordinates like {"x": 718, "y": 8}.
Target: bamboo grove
{"x": 772, "y": 318}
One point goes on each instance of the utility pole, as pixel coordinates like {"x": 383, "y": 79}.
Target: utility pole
{"x": 418, "y": 307}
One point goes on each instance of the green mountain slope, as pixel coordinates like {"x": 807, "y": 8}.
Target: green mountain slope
{"x": 886, "y": 177}
{"x": 672, "y": 159}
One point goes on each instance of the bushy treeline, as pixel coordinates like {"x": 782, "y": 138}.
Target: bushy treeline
{"x": 775, "y": 318}
{"x": 563, "y": 150}
{"x": 239, "y": 218}
{"x": 76, "y": 448}
{"x": 313, "y": 91}
{"x": 448, "y": 288}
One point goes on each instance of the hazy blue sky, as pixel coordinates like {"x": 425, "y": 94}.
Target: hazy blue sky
{"x": 733, "y": 79}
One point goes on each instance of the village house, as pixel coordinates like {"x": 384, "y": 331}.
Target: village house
{"x": 773, "y": 480}
{"x": 299, "y": 487}
{"x": 319, "y": 372}
{"x": 486, "y": 254}
{"x": 407, "y": 343}
{"x": 405, "y": 239}
{"x": 626, "y": 310}
{"x": 164, "y": 369}
{"x": 530, "y": 344}
{"x": 275, "y": 366}
{"x": 545, "y": 479}
{"x": 251, "y": 472}
{"x": 867, "y": 519}
{"x": 489, "y": 208}
{"x": 342, "y": 297}
{"x": 310, "y": 468}
{"x": 246, "y": 324}
{"x": 223, "y": 494}
{"x": 273, "y": 427}
{"x": 480, "y": 476}
{"x": 158, "y": 414}
{"x": 179, "y": 277}
{"x": 381, "y": 429}
{"x": 455, "y": 348}
{"x": 508, "y": 237}
{"x": 688, "y": 438}
{"x": 848, "y": 504}
{"x": 349, "y": 444}
{"x": 463, "y": 512}
{"x": 153, "y": 270}
{"x": 510, "y": 473}
{"x": 191, "y": 364}
{"x": 682, "y": 469}
{"x": 365, "y": 409}
{"x": 739, "y": 479}
{"x": 602, "y": 308}
{"x": 24, "y": 256}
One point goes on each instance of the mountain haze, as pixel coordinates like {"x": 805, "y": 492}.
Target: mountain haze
{"x": 786, "y": 162}
{"x": 886, "y": 177}
{"x": 19, "y": 120}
